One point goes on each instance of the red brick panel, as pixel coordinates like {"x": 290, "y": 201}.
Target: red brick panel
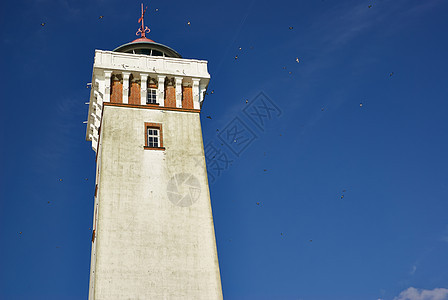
{"x": 134, "y": 93}
{"x": 116, "y": 93}
{"x": 170, "y": 96}
{"x": 187, "y": 97}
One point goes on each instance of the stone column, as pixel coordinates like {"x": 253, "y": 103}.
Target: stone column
{"x": 125, "y": 86}
{"x": 196, "y": 93}
{"x": 143, "y": 91}
{"x": 202, "y": 89}
{"x": 161, "y": 90}
{"x": 107, "y": 79}
{"x": 178, "y": 92}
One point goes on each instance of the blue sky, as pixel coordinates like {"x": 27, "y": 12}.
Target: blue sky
{"x": 387, "y": 238}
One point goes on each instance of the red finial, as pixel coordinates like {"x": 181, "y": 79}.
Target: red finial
{"x": 142, "y": 30}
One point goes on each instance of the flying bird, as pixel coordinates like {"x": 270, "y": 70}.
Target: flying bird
{"x": 42, "y": 24}
{"x": 258, "y": 203}
{"x": 360, "y": 104}
{"x": 297, "y": 59}
{"x": 240, "y": 48}
{"x": 208, "y": 117}
{"x": 322, "y": 109}
{"x": 247, "y": 101}
{"x": 265, "y": 170}
{"x": 212, "y": 91}
{"x": 290, "y": 27}
{"x": 60, "y": 179}
{"x": 392, "y": 73}
{"x": 156, "y": 9}
{"x": 342, "y": 196}
{"x": 236, "y": 56}
{"x": 370, "y": 6}
{"x": 20, "y": 232}
{"x": 101, "y": 17}
{"x": 188, "y": 23}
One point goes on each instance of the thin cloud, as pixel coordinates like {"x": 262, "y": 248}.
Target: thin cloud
{"x": 444, "y": 237}
{"x": 421, "y": 294}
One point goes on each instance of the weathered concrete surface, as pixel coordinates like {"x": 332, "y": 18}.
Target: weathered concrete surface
{"x": 146, "y": 246}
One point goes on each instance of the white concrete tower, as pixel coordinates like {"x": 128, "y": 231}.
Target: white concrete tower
{"x": 153, "y": 234}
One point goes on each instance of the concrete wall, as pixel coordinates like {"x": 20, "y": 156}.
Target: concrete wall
{"x": 150, "y": 242}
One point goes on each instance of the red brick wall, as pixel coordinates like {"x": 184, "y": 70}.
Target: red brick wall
{"x": 116, "y": 92}
{"x": 170, "y": 96}
{"x": 134, "y": 93}
{"x": 187, "y": 97}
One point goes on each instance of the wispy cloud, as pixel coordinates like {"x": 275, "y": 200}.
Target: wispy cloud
{"x": 421, "y": 294}
{"x": 444, "y": 236}
{"x": 413, "y": 269}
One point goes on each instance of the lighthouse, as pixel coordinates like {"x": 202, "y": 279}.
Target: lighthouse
{"x": 153, "y": 234}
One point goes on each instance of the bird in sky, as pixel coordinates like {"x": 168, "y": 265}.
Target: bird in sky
{"x": 370, "y": 6}
{"x": 342, "y": 196}
{"x": 156, "y": 9}
{"x": 392, "y": 73}
{"x": 212, "y": 91}
{"x": 20, "y": 232}
{"x": 322, "y": 109}
{"x": 258, "y": 203}
{"x": 297, "y": 59}
{"x": 86, "y": 179}
{"x": 48, "y": 202}
{"x": 291, "y": 28}
{"x": 284, "y": 68}
{"x": 360, "y": 104}
{"x": 311, "y": 240}
{"x": 236, "y": 56}
{"x": 208, "y": 117}
{"x": 189, "y": 23}
{"x": 42, "y": 24}
{"x": 247, "y": 101}
{"x": 290, "y": 72}
{"x": 60, "y": 179}
{"x": 240, "y": 48}
{"x": 101, "y": 17}
{"x": 265, "y": 170}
